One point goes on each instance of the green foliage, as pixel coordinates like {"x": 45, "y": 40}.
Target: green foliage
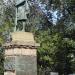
{"x": 1, "y": 61}
{"x": 5, "y": 26}
{"x": 55, "y": 51}
{"x": 49, "y": 45}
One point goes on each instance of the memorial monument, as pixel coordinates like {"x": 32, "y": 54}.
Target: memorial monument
{"x": 20, "y": 52}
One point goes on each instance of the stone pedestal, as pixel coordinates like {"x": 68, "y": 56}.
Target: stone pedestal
{"x": 54, "y": 73}
{"x": 21, "y": 54}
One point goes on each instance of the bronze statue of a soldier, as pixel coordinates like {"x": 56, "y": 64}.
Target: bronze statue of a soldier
{"x": 22, "y": 11}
